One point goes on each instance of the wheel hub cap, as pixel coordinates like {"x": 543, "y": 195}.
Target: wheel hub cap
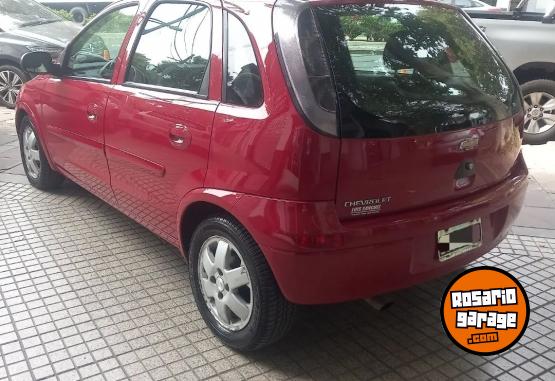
{"x": 220, "y": 284}
{"x": 10, "y": 85}
{"x": 31, "y": 152}
{"x": 540, "y": 112}
{"x": 225, "y": 283}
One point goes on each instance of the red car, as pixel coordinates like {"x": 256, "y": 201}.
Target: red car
{"x": 296, "y": 152}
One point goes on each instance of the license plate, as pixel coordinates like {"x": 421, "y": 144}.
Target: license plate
{"x": 459, "y": 239}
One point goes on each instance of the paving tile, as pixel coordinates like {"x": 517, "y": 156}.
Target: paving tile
{"x": 5, "y": 139}
{"x": 8, "y": 163}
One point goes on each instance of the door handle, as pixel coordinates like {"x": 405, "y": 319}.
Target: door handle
{"x": 177, "y": 140}
{"x": 92, "y": 111}
{"x": 180, "y": 136}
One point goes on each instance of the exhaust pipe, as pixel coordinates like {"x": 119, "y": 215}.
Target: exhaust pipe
{"x": 379, "y": 303}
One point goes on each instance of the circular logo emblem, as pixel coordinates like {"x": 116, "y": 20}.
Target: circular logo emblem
{"x": 485, "y": 310}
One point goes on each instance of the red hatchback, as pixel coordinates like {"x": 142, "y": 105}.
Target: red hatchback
{"x": 297, "y": 152}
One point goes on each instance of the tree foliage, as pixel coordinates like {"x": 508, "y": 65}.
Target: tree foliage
{"x": 373, "y": 27}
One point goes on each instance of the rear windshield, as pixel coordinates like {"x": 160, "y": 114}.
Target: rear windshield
{"x": 406, "y": 70}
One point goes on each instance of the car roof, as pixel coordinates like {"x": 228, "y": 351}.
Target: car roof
{"x": 232, "y": 4}
{"x": 245, "y": 5}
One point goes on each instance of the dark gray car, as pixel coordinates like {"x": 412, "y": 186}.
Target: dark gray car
{"x": 27, "y": 26}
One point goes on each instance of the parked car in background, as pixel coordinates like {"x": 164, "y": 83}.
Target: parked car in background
{"x": 525, "y": 38}
{"x": 474, "y": 5}
{"x": 26, "y": 26}
{"x": 79, "y": 10}
{"x": 221, "y": 128}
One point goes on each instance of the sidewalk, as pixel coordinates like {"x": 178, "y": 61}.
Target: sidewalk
{"x": 11, "y": 169}
{"x": 538, "y": 217}
{"x": 86, "y": 293}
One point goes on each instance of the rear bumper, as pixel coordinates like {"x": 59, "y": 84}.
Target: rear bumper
{"x": 317, "y": 259}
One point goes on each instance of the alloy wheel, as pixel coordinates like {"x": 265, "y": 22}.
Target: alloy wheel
{"x": 10, "y": 85}
{"x": 540, "y": 112}
{"x": 31, "y": 152}
{"x": 225, "y": 283}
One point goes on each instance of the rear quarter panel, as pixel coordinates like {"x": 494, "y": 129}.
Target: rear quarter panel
{"x": 270, "y": 151}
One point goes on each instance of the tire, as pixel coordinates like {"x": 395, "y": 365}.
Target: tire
{"x": 79, "y": 15}
{"x": 530, "y": 91}
{"x": 14, "y": 78}
{"x": 271, "y": 316}
{"x": 40, "y": 175}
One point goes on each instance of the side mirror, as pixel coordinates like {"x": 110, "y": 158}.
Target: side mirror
{"x": 39, "y": 63}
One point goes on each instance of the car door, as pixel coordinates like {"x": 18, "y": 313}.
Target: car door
{"x": 161, "y": 112}
{"x": 74, "y": 103}
{"x": 241, "y": 118}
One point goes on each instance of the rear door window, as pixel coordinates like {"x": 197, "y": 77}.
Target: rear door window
{"x": 173, "y": 51}
{"x": 243, "y": 85}
{"x": 406, "y": 70}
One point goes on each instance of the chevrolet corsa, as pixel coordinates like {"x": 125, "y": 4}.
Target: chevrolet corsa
{"x": 296, "y": 152}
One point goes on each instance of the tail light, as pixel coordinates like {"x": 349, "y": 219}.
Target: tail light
{"x": 518, "y": 120}
{"x": 316, "y": 62}
{"x": 305, "y": 64}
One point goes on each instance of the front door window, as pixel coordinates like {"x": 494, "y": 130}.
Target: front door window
{"x": 93, "y": 53}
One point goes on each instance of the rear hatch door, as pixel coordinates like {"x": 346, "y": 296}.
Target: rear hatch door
{"x": 427, "y": 110}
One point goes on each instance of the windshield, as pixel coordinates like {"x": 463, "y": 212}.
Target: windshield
{"x": 406, "y": 70}
{"x": 16, "y": 14}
